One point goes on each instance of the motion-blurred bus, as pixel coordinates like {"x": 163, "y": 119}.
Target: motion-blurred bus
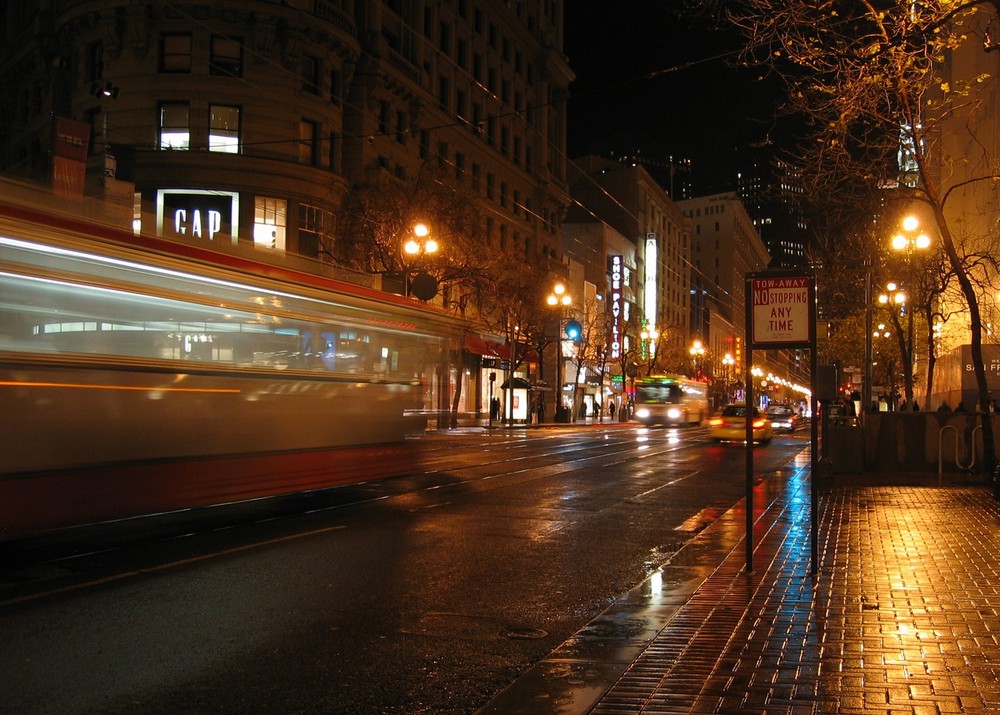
{"x": 670, "y": 400}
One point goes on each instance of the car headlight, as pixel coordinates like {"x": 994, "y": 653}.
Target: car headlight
{"x": 642, "y": 412}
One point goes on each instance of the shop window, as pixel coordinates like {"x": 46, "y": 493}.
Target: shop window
{"x": 227, "y": 56}
{"x": 269, "y": 222}
{"x": 224, "y": 129}
{"x": 175, "y": 53}
{"x": 175, "y": 125}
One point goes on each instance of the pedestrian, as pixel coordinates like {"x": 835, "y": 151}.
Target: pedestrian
{"x": 611, "y": 410}
{"x": 916, "y": 406}
{"x": 597, "y": 409}
{"x": 541, "y": 410}
{"x": 531, "y": 412}
{"x": 944, "y": 407}
{"x": 961, "y": 408}
{"x": 903, "y": 407}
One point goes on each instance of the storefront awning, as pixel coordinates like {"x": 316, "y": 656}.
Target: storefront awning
{"x": 519, "y": 384}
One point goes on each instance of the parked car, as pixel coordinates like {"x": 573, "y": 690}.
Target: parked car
{"x": 730, "y": 425}
{"x": 783, "y": 418}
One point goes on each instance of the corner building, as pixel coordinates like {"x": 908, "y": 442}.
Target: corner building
{"x": 245, "y": 122}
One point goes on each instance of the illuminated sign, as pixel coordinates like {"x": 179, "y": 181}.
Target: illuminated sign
{"x": 616, "y": 308}
{"x": 649, "y": 287}
{"x": 185, "y": 214}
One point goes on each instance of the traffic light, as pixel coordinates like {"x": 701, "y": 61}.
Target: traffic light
{"x": 573, "y": 329}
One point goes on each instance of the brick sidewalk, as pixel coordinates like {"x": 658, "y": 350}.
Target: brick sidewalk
{"x": 904, "y": 616}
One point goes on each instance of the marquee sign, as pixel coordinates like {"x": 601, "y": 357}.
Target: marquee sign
{"x": 616, "y": 307}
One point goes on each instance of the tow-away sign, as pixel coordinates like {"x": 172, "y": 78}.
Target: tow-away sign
{"x": 781, "y": 311}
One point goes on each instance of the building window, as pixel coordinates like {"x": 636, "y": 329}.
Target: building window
{"x": 313, "y": 226}
{"x": 425, "y": 144}
{"x": 175, "y": 53}
{"x": 269, "y": 222}
{"x": 384, "y": 110}
{"x": 444, "y": 92}
{"x": 308, "y": 132}
{"x": 224, "y": 129}
{"x": 310, "y": 75}
{"x": 227, "y": 56}
{"x": 335, "y": 154}
{"x": 336, "y": 87}
{"x": 400, "y": 127}
{"x": 95, "y": 62}
{"x": 175, "y": 125}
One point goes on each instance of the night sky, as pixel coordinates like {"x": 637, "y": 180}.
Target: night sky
{"x": 703, "y": 110}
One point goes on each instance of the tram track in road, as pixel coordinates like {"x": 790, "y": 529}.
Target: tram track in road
{"x": 456, "y": 466}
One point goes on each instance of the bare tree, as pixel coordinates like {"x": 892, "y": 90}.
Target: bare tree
{"x": 866, "y": 78}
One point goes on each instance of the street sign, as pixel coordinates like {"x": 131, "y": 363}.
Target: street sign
{"x": 782, "y": 309}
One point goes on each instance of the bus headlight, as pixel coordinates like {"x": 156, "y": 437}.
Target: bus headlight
{"x": 674, "y": 413}
{"x": 642, "y": 413}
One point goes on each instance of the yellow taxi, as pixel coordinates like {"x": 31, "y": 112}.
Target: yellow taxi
{"x": 729, "y": 425}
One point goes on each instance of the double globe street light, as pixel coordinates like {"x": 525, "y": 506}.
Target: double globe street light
{"x": 418, "y": 246}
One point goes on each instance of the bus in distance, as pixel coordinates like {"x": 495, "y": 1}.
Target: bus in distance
{"x": 670, "y": 400}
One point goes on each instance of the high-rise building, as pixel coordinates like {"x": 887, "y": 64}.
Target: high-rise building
{"x": 629, "y": 200}
{"x": 246, "y": 122}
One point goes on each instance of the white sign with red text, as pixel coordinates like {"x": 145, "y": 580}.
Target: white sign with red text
{"x": 781, "y": 310}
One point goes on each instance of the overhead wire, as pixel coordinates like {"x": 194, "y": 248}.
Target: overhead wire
{"x": 511, "y": 112}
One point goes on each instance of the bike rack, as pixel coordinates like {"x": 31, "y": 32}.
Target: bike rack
{"x": 958, "y": 463}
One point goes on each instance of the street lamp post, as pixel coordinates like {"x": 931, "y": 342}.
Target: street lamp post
{"x": 697, "y": 352}
{"x": 909, "y": 241}
{"x": 649, "y": 337}
{"x": 728, "y": 361}
{"x": 559, "y": 298}
{"x": 417, "y": 246}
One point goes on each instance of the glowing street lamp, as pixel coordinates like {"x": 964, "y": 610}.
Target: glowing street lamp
{"x": 697, "y": 352}
{"x": 419, "y": 245}
{"x": 560, "y": 298}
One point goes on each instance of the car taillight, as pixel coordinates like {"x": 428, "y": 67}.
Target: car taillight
{"x": 716, "y": 422}
{"x": 758, "y": 423}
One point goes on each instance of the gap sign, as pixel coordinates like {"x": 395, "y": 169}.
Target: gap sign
{"x": 781, "y": 311}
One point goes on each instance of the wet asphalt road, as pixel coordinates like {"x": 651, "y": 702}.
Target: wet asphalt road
{"x": 424, "y": 594}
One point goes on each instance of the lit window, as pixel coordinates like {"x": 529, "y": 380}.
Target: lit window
{"x": 175, "y": 126}
{"x": 224, "y": 129}
{"x": 269, "y": 220}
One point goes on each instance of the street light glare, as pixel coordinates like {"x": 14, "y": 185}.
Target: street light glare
{"x": 430, "y": 246}
{"x": 910, "y": 223}
{"x": 420, "y": 229}
{"x": 899, "y": 242}
{"x": 411, "y": 247}
{"x": 923, "y": 241}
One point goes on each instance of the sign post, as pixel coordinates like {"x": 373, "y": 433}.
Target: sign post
{"x": 780, "y": 313}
